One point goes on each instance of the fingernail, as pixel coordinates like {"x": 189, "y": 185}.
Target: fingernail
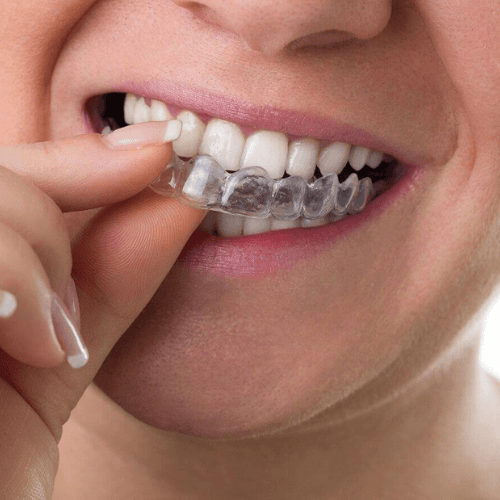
{"x": 8, "y": 304}
{"x": 143, "y": 134}
{"x": 67, "y": 334}
{"x": 71, "y": 302}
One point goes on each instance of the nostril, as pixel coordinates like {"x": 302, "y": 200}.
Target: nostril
{"x": 272, "y": 26}
{"x": 322, "y": 40}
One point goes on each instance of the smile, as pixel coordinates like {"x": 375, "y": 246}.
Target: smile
{"x": 254, "y": 181}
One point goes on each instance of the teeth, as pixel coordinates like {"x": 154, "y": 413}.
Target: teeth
{"x": 375, "y": 159}
{"x": 302, "y": 157}
{"x": 193, "y": 129}
{"x": 160, "y": 112}
{"x": 333, "y": 158}
{"x": 229, "y": 225}
{"x": 129, "y": 108}
{"x": 358, "y": 157}
{"x": 314, "y": 222}
{"x": 277, "y": 224}
{"x": 142, "y": 112}
{"x": 256, "y": 226}
{"x": 224, "y": 141}
{"x": 268, "y": 150}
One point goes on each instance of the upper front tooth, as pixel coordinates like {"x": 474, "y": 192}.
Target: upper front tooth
{"x": 160, "y": 112}
{"x": 142, "y": 112}
{"x": 188, "y": 144}
{"x": 358, "y": 157}
{"x": 224, "y": 141}
{"x": 302, "y": 157}
{"x": 333, "y": 158}
{"x": 268, "y": 150}
{"x": 129, "y": 108}
{"x": 375, "y": 159}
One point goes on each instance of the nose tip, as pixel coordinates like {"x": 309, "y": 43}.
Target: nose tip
{"x": 271, "y": 26}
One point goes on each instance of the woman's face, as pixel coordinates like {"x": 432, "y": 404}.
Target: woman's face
{"x": 250, "y": 336}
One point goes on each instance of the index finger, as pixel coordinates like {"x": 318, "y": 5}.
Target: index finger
{"x": 84, "y": 172}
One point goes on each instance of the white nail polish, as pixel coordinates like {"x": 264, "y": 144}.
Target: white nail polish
{"x": 67, "y": 334}
{"x": 143, "y": 134}
{"x": 8, "y": 304}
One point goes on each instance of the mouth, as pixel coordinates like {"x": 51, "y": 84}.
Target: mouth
{"x": 310, "y": 160}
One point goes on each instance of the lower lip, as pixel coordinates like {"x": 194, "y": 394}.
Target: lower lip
{"x": 261, "y": 255}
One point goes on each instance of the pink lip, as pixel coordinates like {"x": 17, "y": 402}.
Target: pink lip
{"x": 263, "y": 254}
{"x": 262, "y": 117}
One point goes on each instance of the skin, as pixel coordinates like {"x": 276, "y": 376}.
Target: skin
{"x": 384, "y": 396}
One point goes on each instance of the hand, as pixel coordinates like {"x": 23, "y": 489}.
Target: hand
{"x": 118, "y": 260}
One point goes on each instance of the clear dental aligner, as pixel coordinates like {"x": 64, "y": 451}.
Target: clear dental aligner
{"x": 202, "y": 183}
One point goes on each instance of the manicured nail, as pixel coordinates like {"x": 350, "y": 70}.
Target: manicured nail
{"x": 8, "y": 304}
{"x": 67, "y": 334}
{"x": 72, "y": 304}
{"x": 143, "y": 134}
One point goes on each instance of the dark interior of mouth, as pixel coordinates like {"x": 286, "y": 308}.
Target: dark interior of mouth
{"x": 108, "y": 110}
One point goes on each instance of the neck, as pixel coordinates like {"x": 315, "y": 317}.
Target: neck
{"x": 423, "y": 442}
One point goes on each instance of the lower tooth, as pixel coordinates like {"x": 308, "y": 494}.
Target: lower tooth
{"x": 334, "y": 217}
{"x": 229, "y": 225}
{"x": 256, "y": 226}
{"x": 277, "y": 224}
{"x": 314, "y": 222}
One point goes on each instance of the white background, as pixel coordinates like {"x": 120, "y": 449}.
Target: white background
{"x": 490, "y": 350}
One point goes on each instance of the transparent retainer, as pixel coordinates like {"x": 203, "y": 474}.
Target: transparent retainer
{"x": 202, "y": 183}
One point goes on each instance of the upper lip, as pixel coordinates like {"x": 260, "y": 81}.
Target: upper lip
{"x": 294, "y": 123}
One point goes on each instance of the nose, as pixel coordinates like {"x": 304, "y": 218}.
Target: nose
{"x": 271, "y": 26}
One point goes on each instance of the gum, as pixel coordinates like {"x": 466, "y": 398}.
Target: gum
{"x": 202, "y": 183}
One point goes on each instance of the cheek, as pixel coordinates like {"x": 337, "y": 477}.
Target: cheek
{"x": 32, "y": 34}
{"x": 466, "y": 36}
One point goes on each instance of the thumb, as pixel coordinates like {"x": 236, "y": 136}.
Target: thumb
{"x": 91, "y": 170}
{"x": 119, "y": 261}
{"x": 120, "y": 257}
